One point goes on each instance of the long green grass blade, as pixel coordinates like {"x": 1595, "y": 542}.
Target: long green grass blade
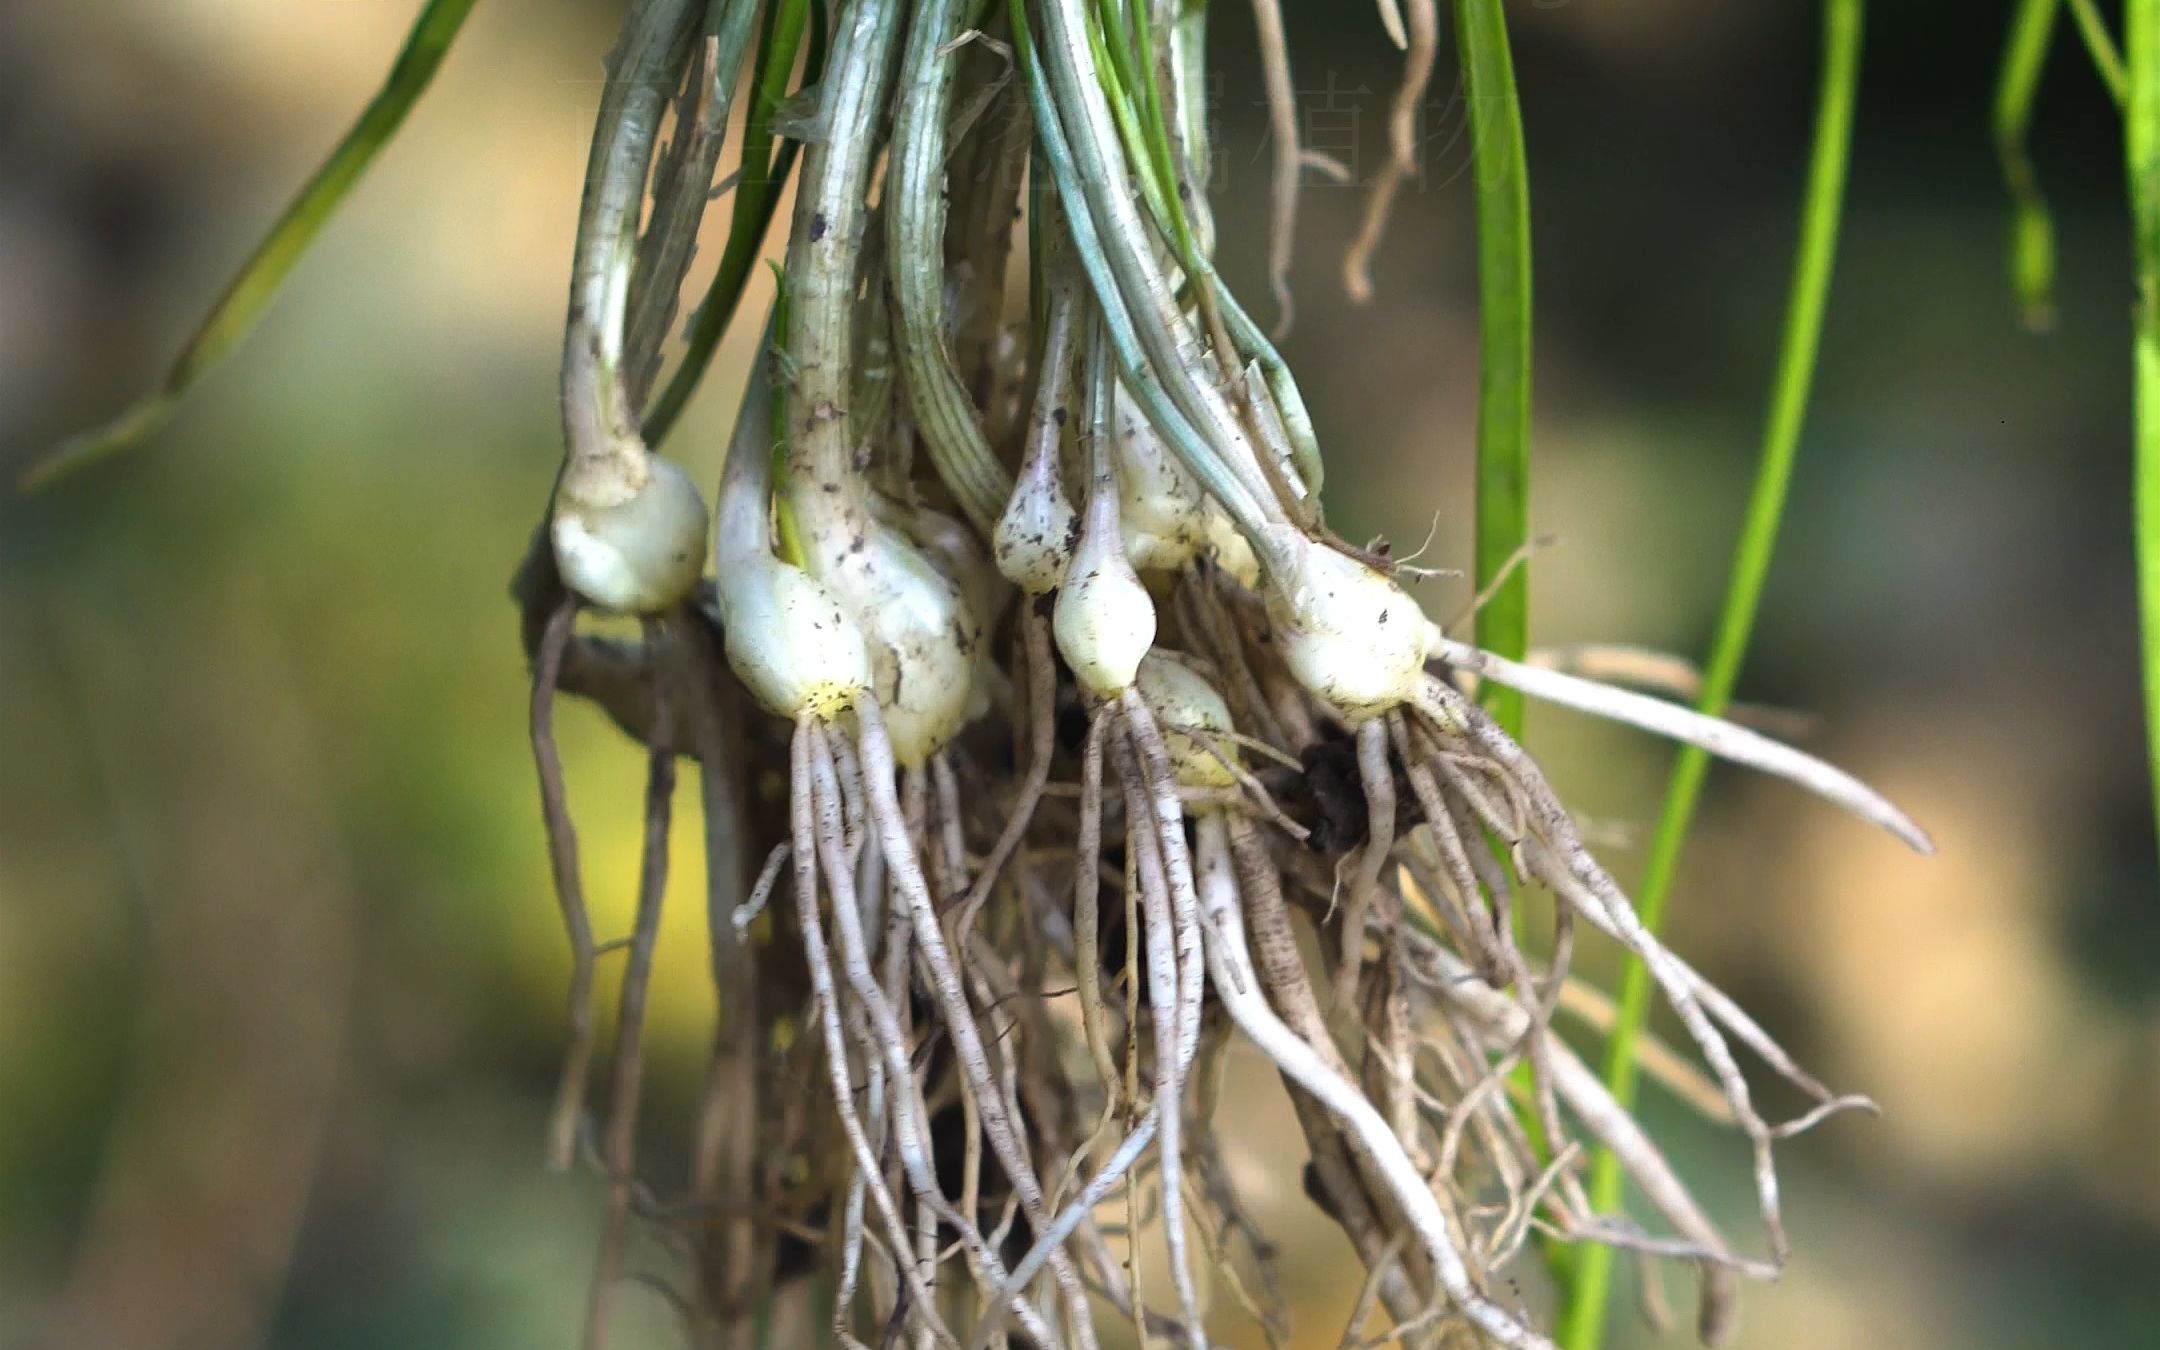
{"x": 2141, "y": 153}
{"x": 2032, "y": 228}
{"x": 2107, "y": 61}
{"x": 1503, "y": 428}
{"x": 1500, "y": 171}
{"x": 252, "y": 288}
{"x": 2017, "y": 85}
{"x": 1584, "y": 1319}
{"x": 760, "y": 176}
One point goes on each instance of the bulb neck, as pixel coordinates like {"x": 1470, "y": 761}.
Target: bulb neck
{"x": 607, "y": 463}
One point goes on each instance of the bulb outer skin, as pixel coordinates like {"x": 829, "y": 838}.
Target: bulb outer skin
{"x": 1161, "y": 506}
{"x": 921, "y": 631}
{"x": 1033, "y": 541}
{"x": 789, "y": 640}
{"x": 1233, "y": 554}
{"x": 1348, "y": 632}
{"x": 640, "y": 554}
{"x": 1180, "y": 697}
{"x": 1104, "y": 619}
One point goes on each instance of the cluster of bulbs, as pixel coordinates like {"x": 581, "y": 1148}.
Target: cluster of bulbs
{"x": 1033, "y": 900}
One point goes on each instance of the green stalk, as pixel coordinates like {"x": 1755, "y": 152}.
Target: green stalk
{"x": 1164, "y": 196}
{"x": 1500, "y": 170}
{"x": 2107, "y": 62}
{"x": 1584, "y": 1318}
{"x": 915, "y": 219}
{"x": 1503, "y": 431}
{"x": 2032, "y": 229}
{"x": 1143, "y": 379}
{"x": 2141, "y": 153}
{"x": 1229, "y": 465}
{"x": 682, "y": 183}
{"x": 258, "y": 280}
{"x": 824, "y": 266}
{"x": 760, "y": 175}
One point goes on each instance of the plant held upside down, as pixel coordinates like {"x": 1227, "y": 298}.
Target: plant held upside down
{"x": 1133, "y": 484}
{"x": 1059, "y": 718}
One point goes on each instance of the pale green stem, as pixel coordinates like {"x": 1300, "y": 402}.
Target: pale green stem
{"x": 915, "y": 255}
{"x": 827, "y": 494}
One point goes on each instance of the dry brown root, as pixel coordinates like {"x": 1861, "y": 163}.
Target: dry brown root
{"x": 1604, "y": 1121}
{"x": 732, "y": 1260}
{"x": 1041, "y": 689}
{"x": 1087, "y": 916}
{"x": 1378, "y": 779}
{"x": 1210, "y": 626}
{"x": 1289, "y": 159}
{"x": 566, "y": 1119}
{"x": 619, "y": 1143}
{"x": 1281, "y": 972}
{"x": 1214, "y": 1191}
{"x": 1422, "y": 43}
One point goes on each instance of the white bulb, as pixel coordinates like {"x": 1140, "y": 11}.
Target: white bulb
{"x": 1349, "y": 633}
{"x": 1160, "y": 503}
{"x": 640, "y": 554}
{"x": 1033, "y": 541}
{"x": 1104, "y": 620}
{"x": 921, "y": 631}
{"x": 953, "y": 547}
{"x": 1181, "y": 696}
{"x": 794, "y": 647}
{"x": 1233, "y": 552}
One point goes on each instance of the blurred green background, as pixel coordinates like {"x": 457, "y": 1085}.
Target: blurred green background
{"x": 280, "y": 977}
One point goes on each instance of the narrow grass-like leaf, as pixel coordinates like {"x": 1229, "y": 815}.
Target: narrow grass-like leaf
{"x": 257, "y": 281}
{"x": 1500, "y": 170}
{"x": 1503, "y": 427}
{"x": 2107, "y": 61}
{"x": 2017, "y": 84}
{"x": 1584, "y": 1318}
{"x": 2032, "y": 229}
{"x": 759, "y": 177}
{"x": 2141, "y": 154}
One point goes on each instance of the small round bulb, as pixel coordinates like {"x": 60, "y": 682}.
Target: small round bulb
{"x": 640, "y": 553}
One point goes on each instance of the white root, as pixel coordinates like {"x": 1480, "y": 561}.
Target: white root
{"x": 1614, "y": 1127}
{"x": 1010, "y": 1146}
{"x": 1379, "y": 783}
{"x": 827, "y": 998}
{"x": 1719, "y": 737}
{"x": 1169, "y": 968}
{"x": 1232, "y": 970}
{"x": 911, "y": 1122}
{"x": 1580, "y": 881}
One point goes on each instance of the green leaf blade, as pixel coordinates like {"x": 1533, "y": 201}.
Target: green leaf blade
{"x": 1583, "y": 1321}
{"x": 1504, "y": 340}
{"x": 250, "y": 291}
{"x": 2141, "y": 157}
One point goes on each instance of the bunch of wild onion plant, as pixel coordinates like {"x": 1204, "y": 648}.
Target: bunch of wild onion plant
{"x": 1086, "y": 715}
{"x": 1060, "y": 719}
